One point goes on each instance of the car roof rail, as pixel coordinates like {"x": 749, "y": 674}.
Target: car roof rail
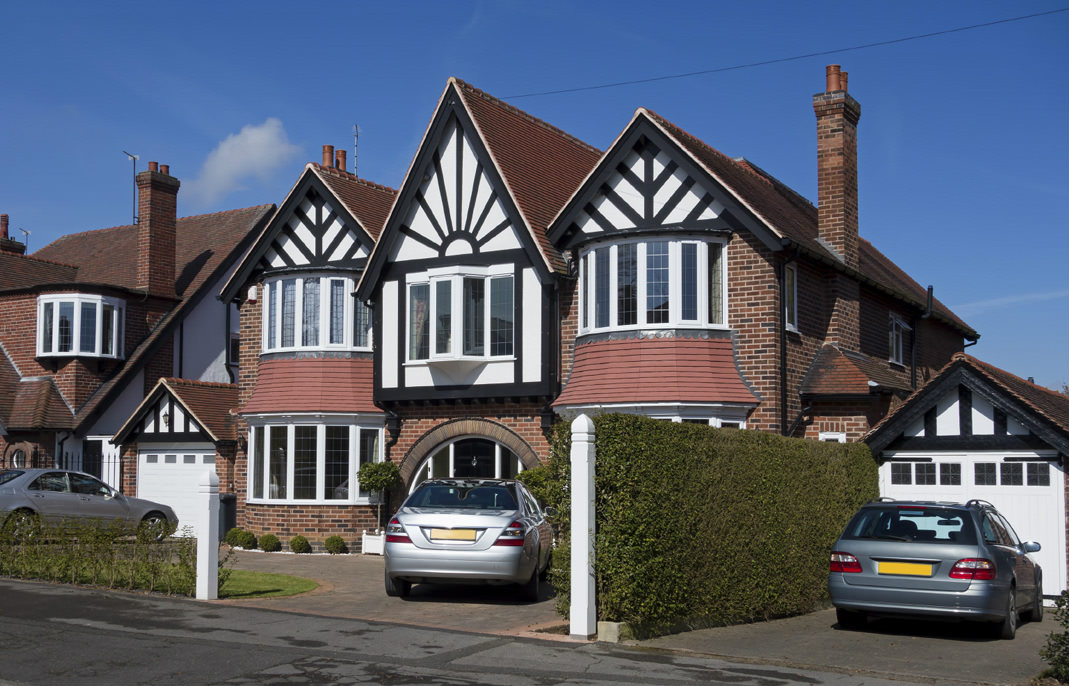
{"x": 976, "y": 502}
{"x": 884, "y": 499}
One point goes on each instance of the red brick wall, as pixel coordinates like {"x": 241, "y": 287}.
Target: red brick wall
{"x": 314, "y": 522}
{"x": 568, "y": 302}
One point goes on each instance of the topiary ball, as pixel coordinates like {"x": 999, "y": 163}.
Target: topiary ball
{"x": 247, "y": 540}
{"x": 300, "y": 544}
{"x": 232, "y": 537}
{"x": 269, "y": 543}
{"x": 335, "y": 545}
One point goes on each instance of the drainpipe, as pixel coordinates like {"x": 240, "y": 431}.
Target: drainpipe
{"x": 913, "y": 340}
{"x": 781, "y": 277}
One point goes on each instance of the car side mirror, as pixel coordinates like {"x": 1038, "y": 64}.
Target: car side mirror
{"x": 550, "y": 512}
{"x": 1030, "y": 547}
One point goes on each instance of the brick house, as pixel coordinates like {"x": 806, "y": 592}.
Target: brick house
{"x": 91, "y": 322}
{"x": 520, "y": 275}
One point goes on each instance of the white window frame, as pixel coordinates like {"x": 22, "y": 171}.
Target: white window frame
{"x": 262, "y": 426}
{"x": 790, "y": 297}
{"x": 77, "y": 300}
{"x": 271, "y": 309}
{"x": 588, "y": 277}
{"x": 455, "y": 276}
{"x": 896, "y": 333}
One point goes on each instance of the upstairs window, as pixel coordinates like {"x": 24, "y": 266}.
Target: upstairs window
{"x": 653, "y": 283}
{"x": 313, "y": 312}
{"x": 460, "y": 313}
{"x": 80, "y": 325}
{"x": 790, "y": 297}
{"x": 897, "y": 329}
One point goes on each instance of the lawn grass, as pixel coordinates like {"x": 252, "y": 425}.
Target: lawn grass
{"x": 242, "y": 583}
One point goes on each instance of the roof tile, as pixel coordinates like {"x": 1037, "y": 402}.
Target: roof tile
{"x": 327, "y": 384}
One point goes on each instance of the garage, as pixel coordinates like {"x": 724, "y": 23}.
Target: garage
{"x": 170, "y": 475}
{"x": 978, "y": 432}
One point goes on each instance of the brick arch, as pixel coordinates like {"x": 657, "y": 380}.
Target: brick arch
{"x": 468, "y": 428}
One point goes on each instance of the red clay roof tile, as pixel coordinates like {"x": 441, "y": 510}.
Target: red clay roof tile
{"x": 210, "y": 404}
{"x": 313, "y": 385}
{"x": 368, "y": 202}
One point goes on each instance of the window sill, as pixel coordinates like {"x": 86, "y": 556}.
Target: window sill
{"x": 291, "y": 501}
{"x": 459, "y": 363}
{"x": 87, "y": 356}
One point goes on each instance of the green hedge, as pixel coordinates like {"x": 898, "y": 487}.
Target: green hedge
{"x": 699, "y": 526}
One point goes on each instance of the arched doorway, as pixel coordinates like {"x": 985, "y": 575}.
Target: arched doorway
{"x": 469, "y": 457}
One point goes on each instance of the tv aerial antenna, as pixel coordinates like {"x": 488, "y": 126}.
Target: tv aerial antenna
{"x": 134, "y": 158}
{"x": 26, "y": 239}
{"x": 356, "y": 146}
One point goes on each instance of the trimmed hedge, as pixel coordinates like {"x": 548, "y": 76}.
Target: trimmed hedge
{"x": 698, "y": 526}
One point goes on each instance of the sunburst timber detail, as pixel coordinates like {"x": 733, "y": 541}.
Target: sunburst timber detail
{"x": 456, "y": 210}
{"x": 315, "y": 236}
{"x": 648, "y": 190}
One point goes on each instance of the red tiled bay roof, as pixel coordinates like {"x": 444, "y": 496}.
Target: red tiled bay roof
{"x": 655, "y": 370}
{"x": 313, "y": 385}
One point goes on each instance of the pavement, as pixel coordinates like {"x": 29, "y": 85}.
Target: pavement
{"x": 351, "y": 586}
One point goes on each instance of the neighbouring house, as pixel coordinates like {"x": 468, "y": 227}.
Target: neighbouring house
{"x": 91, "y": 322}
{"x": 520, "y": 275}
{"x": 976, "y": 431}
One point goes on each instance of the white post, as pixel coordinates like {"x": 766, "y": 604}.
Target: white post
{"x": 582, "y": 614}
{"x": 207, "y": 534}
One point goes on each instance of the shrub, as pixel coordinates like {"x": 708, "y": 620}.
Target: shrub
{"x": 269, "y": 543}
{"x": 247, "y": 540}
{"x": 699, "y": 526}
{"x": 335, "y": 545}
{"x": 232, "y": 536}
{"x": 1056, "y": 652}
{"x": 300, "y": 544}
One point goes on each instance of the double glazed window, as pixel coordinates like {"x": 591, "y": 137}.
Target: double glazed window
{"x": 315, "y": 462}
{"x": 79, "y": 324}
{"x": 897, "y": 329}
{"x": 313, "y": 312}
{"x": 653, "y": 283}
{"x": 456, "y": 314}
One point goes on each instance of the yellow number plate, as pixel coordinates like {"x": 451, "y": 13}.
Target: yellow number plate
{"x": 906, "y": 568}
{"x": 452, "y": 534}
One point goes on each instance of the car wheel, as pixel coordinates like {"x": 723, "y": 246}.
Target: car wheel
{"x": 849, "y": 619}
{"x": 531, "y": 590}
{"x": 1007, "y": 628}
{"x": 397, "y": 588}
{"x": 153, "y": 528}
{"x": 23, "y": 525}
{"x": 1036, "y": 613}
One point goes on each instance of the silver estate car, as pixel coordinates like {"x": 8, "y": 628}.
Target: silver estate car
{"x": 934, "y": 560}
{"x": 31, "y": 496}
{"x": 488, "y": 531}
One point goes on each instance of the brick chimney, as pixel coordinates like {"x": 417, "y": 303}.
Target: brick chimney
{"x": 837, "y": 117}
{"x": 837, "y": 221}
{"x": 157, "y": 211}
{"x": 8, "y": 244}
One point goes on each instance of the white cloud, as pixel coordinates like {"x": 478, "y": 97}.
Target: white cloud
{"x": 982, "y": 306}
{"x": 255, "y": 151}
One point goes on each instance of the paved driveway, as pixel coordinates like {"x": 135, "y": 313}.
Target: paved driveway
{"x": 352, "y": 586}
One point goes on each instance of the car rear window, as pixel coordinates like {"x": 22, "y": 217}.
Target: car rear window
{"x": 917, "y": 524}
{"x": 9, "y": 474}
{"x": 473, "y": 498}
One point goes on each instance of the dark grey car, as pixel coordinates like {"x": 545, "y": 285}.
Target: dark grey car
{"x": 935, "y": 560}
{"x": 28, "y": 496}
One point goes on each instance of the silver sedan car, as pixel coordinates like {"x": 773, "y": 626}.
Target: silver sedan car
{"x": 489, "y": 531}
{"x": 935, "y": 560}
{"x": 29, "y": 497}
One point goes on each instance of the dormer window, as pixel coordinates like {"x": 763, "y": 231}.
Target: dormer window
{"x": 461, "y": 313}
{"x": 82, "y": 325}
{"x": 663, "y": 283}
{"x": 313, "y": 312}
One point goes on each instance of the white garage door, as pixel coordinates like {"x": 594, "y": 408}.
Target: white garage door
{"x": 171, "y": 477}
{"x": 1028, "y": 490}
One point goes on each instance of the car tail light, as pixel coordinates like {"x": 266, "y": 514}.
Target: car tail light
{"x": 395, "y": 533}
{"x": 844, "y": 562}
{"x": 977, "y": 569}
{"x": 512, "y": 535}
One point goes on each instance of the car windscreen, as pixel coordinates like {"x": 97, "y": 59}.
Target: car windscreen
{"x": 917, "y": 524}
{"x": 9, "y": 474}
{"x": 454, "y": 497}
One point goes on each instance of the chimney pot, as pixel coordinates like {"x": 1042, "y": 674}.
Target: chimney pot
{"x": 152, "y": 166}
{"x": 339, "y": 159}
{"x": 833, "y": 77}
{"x": 842, "y": 80}
{"x": 328, "y": 155}
{"x": 3, "y": 226}
{"x": 165, "y": 169}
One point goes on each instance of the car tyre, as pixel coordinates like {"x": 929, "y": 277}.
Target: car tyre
{"x": 1007, "y": 628}
{"x": 24, "y": 525}
{"x": 397, "y": 588}
{"x": 531, "y": 590}
{"x": 1036, "y": 613}
{"x": 153, "y": 528}
{"x": 850, "y": 619}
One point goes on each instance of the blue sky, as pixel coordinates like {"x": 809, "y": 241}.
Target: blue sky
{"x": 963, "y": 139}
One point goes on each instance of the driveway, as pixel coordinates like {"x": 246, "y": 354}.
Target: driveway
{"x": 352, "y": 587}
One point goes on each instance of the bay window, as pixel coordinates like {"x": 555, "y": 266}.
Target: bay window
{"x": 652, "y": 283}
{"x": 313, "y": 311}
{"x": 313, "y": 461}
{"x": 468, "y": 312}
{"x": 79, "y": 325}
